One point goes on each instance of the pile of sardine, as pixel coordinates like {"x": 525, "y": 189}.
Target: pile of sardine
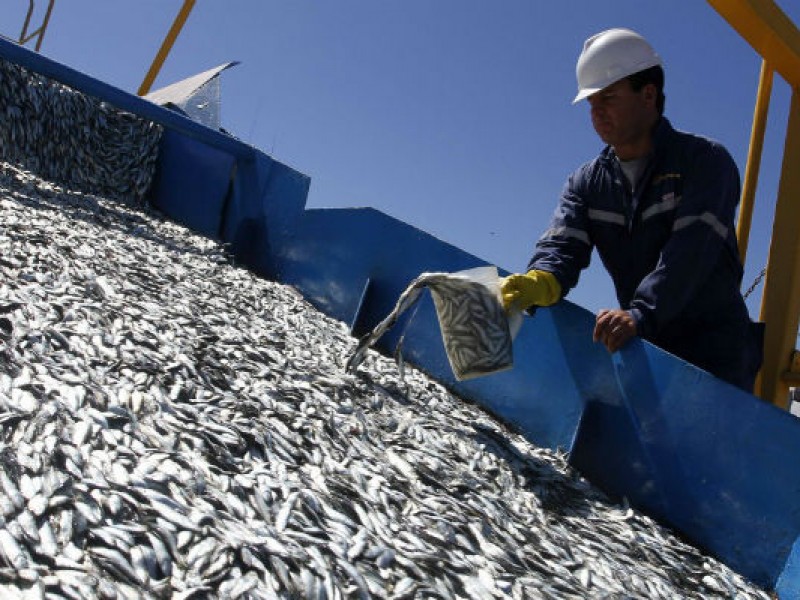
{"x": 175, "y": 427}
{"x": 73, "y": 139}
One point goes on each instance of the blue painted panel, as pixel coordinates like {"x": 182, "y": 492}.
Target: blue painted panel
{"x": 250, "y": 204}
{"x": 267, "y": 198}
{"x": 191, "y": 182}
{"x": 699, "y": 455}
{"x": 537, "y": 396}
{"x": 284, "y": 198}
{"x": 333, "y": 252}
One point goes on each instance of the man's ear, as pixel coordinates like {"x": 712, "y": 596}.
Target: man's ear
{"x": 650, "y": 93}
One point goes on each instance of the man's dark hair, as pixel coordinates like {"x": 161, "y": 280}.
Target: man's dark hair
{"x": 654, "y": 75}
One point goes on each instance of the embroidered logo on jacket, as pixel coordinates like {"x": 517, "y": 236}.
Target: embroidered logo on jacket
{"x": 664, "y": 176}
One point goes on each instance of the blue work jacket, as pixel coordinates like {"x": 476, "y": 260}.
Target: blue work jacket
{"x": 670, "y": 249}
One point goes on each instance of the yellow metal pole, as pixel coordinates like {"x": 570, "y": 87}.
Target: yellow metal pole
{"x": 775, "y": 37}
{"x": 780, "y": 303}
{"x": 768, "y": 30}
{"x": 754, "y": 158}
{"x": 166, "y": 46}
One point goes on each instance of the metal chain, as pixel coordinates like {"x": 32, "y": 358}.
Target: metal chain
{"x": 755, "y": 283}
{"x": 749, "y": 291}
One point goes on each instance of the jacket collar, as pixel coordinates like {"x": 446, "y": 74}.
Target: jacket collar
{"x": 661, "y": 132}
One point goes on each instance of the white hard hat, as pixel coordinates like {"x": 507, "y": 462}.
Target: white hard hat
{"x": 609, "y": 56}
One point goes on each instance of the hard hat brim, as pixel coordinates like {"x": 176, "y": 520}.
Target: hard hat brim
{"x": 585, "y": 93}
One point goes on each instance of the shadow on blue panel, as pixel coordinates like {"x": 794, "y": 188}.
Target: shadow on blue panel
{"x": 623, "y": 442}
{"x": 191, "y": 182}
{"x": 265, "y": 201}
{"x": 691, "y": 451}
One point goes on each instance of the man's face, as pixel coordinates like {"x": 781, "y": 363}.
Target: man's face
{"x": 622, "y": 117}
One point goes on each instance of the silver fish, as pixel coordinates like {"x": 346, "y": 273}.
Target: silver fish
{"x": 474, "y": 326}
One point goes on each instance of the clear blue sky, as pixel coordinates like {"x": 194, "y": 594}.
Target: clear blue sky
{"x": 452, "y": 115}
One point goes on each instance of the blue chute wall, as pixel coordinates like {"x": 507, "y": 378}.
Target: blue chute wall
{"x": 714, "y": 462}
{"x": 194, "y": 178}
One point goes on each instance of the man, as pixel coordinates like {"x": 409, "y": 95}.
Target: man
{"x": 659, "y": 206}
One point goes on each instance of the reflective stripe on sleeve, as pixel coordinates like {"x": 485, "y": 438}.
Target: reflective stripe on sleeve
{"x": 566, "y": 232}
{"x": 606, "y": 216}
{"x": 665, "y": 205}
{"x": 708, "y": 218}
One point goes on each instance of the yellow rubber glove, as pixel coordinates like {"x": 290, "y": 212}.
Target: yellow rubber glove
{"x": 535, "y": 288}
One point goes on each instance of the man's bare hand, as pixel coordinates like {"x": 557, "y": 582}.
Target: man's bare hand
{"x": 614, "y": 328}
